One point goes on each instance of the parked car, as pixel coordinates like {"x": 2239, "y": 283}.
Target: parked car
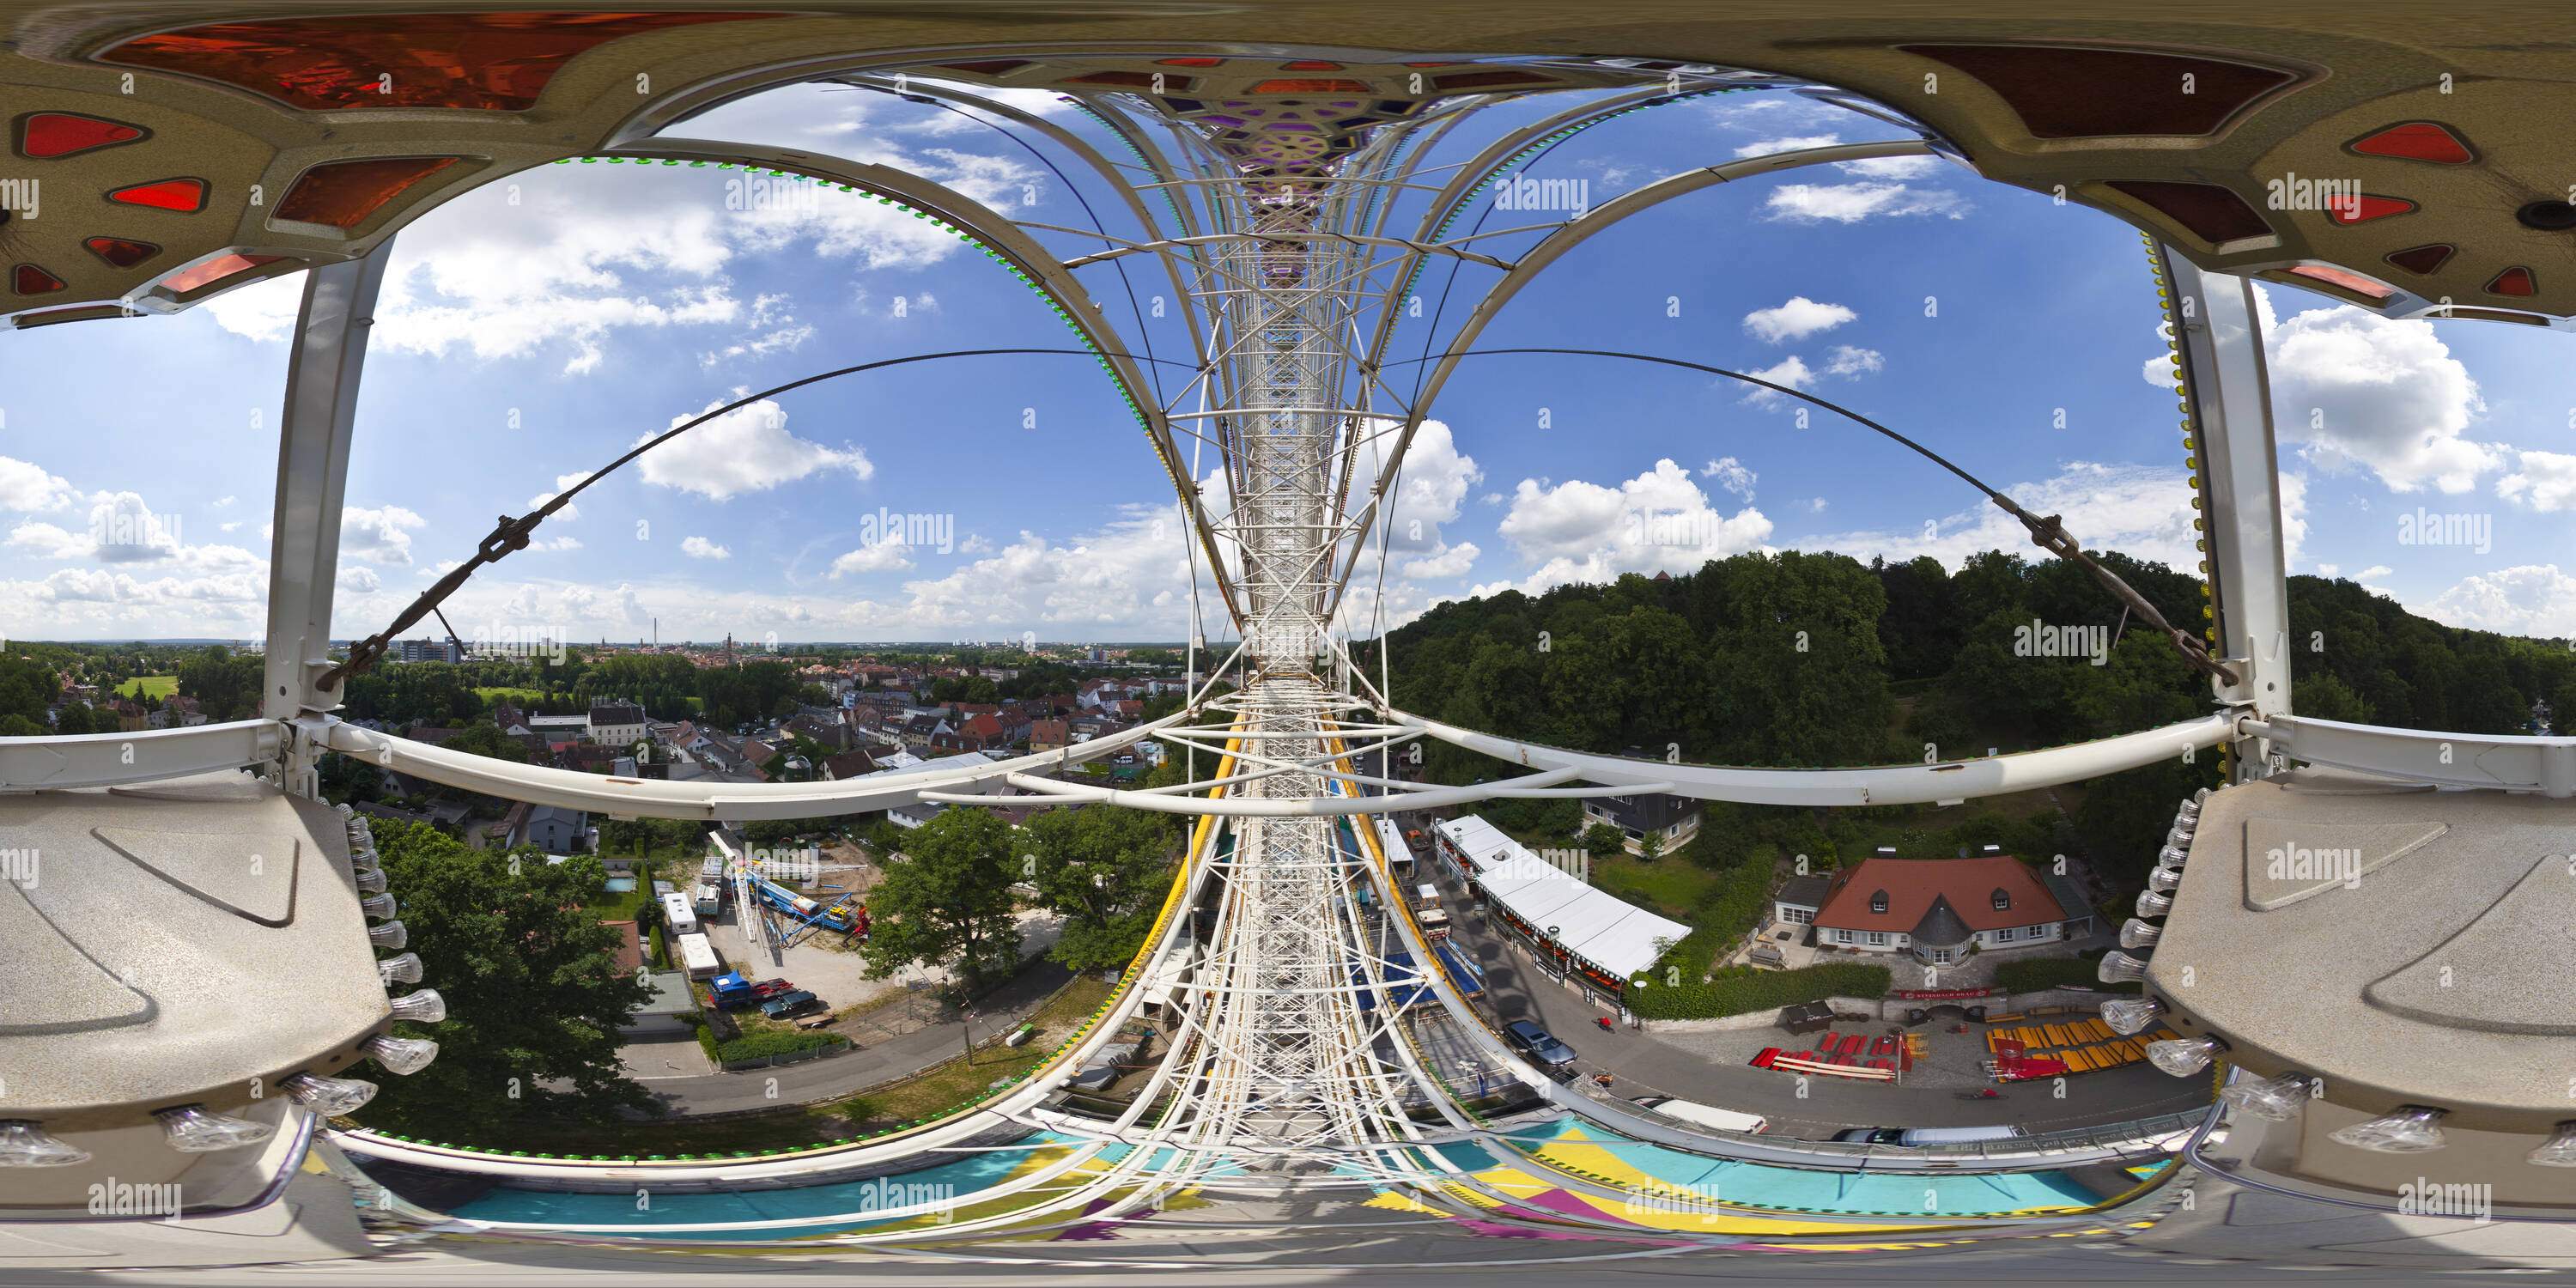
{"x": 743, "y": 999}
{"x": 1538, "y": 1044}
{"x": 1872, "y": 1135}
{"x": 792, "y": 1005}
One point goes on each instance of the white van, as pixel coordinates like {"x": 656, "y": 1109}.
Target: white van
{"x": 1954, "y": 1135}
{"x": 1703, "y": 1115}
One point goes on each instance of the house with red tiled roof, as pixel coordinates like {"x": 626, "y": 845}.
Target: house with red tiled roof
{"x": 1047, "y": 735}
{"x": 1936, "y": 908}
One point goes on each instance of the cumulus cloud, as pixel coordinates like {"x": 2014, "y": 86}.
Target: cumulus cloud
{"x": 563, "y": 483}
{"x": 1797, "y": 319}
{"x": 701, "y": 548}
{"x": 1793, "y": 143}
{"x": 30, "y": 490}
{"x": 379, "y": 535}
{"x": 1915, "y": 167}
{"x": 1443, "y": 563}
{"x": 1436, "y": 482}
{"x": 2352, "y": 388}
{"x": 2534, "y": 599}
{"x": 1579, "y": 531}
{"x": 360, "y": 580}
{"x": 1730, "y": 475}
{"x": 2546, "y": 481}
{"x": 882, "y": 556}
{"x": 1850, "y": 203}
{"x": 745, "y": 450}
{"x": 2135, "y": 509}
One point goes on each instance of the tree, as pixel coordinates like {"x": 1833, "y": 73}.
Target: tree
{"x": 225, "y": 687}
{"x": 1104, "y": 868}
{"x": 488, "y": 740}
{"x": 536, "y": 995}
{"x": 13, "y": 725}
{"x": 1651, "y": 846}
{"x": 950, "y": 905}
{"x": 1601, "y": 840}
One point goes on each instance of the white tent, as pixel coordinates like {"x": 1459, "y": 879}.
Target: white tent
{"x": 1617, "y": 937}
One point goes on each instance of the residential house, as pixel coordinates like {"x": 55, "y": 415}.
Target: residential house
{"x": 552, "y": 829}
{"x": 1936, "y": 908}
{"x": 848, "y": 764}
{"x": 129, "y": 715}
{"x": 1673, "y": 820}
{"x": 921, "y": 733}
{"x": 617, "y": 724}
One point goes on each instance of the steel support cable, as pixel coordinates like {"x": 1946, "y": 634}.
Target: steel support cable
{"x": 2047, "y": 533}
{"x": 512, "y": 534}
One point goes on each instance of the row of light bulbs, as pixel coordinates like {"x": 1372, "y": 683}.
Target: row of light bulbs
{"x": 194, "y": 1129}
{"x": 2409, "y": 1129}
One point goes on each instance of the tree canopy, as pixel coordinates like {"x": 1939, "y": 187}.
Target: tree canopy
{"x": 1107, "y": 870}
{"x": 949, "y": 902}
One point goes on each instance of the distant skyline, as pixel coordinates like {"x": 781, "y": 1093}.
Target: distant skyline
{"x": 535, "y": 328}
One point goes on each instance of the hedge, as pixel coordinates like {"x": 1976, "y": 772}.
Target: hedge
{"x": 752, "y": 1046}
{"x": 1737, "y": 994}
{"x": 2040, "y": 974}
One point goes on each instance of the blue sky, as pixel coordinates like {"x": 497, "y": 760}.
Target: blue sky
{"x": 534, "y": 328}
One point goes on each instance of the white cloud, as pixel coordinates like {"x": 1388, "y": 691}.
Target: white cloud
{"x": 747, "y": 449}
{"x": 1795, "y": 143}
{"x": 2546, "y": 481}
{"x": 558, "y": 543}
{"x": 1850, "y": 203}
{"x": 2534, "y": 599}
{"x": 563, "y": 483}
{"x": 360, "y": 580}
{"x": 227, "y": 527}
{"x": 377, "y": 536}
{"x": 2353, "y": 388}
{"x": 1578, "y": 531}
{"x": 1731, "y": 476}
{"x": 974, "y": 544}
{"x": 1437, "y": 479}
{"x": 30, "y": 490}
{"x": 2137, "y": 510}
{"x": 2329, "y": 570}
{"x": 224, "y": 502}
{"x": 1850, "y": 360}
{"x": 701, "y": 548}
{"x": 2373, "y": 572}
{"x": 1914, "y": 167}
{"x": 1797, "y": 319}
{"x": 882, "y": 556}
{"x": 1444, "y": 563}
{"x": 1791, "y": 371}
{"x": 123, "y": 530}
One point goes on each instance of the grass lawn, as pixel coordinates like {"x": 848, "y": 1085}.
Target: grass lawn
{"x": 611, "y": 905}
{"x": 1674, "y": 884}
{"x": 157, "y": 686}
{"x": 937, "y": 1089}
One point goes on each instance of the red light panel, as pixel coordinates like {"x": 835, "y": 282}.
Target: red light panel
{"x": 2513, "y": 281}
{"x": 2416, "y": 141}
{"x": 341, "y": 194}
{"x": 2366, "y": 208}
{"x": 215, "y": 270}
{"x": 43, "y": 136}
{"x": 187, "y": 196}
{"x": 121, "y": 252}
{"x": 1310, "y": 65}
{"x": 2353, "y": 282}
{"x": 31, "y": 280}
{"x": 496, "y": 61}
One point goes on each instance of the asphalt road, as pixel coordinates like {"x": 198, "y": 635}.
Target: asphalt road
{"x": 867, "y": 1066}
{"x": 1642, "y": 1065}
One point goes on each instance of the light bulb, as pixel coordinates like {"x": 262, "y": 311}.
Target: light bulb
{"x": 389, "y": 935}
{"x": 371, "y": 880}
{"x": 423, "y": 1007}
{"x": 2131, "y": 1016}
{"x": 2172, "y": 856}
{"x": 2409, "y": 1129}
{"x": 2179, "y": 838}
{"x": 400, "y": 1055}
{"x": 2164, "y": 880}
{"x": 2183, "y": 1057}
{"x": 2276, "y": 1099}
{"x": 329, "y": 1097}
{"x": 2151, "y": 904}
{"x": 2138, "y": 934}
{"x": 2198, "y": 797}
{"x": 190, "y": 1129}
{"x": 2558, "y": 1151}
{"x": 2120, "y": 968}
{"x": 400, "y": 970}
{"x": 25, "y": 1144}
{"x": 378, "y": 906}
